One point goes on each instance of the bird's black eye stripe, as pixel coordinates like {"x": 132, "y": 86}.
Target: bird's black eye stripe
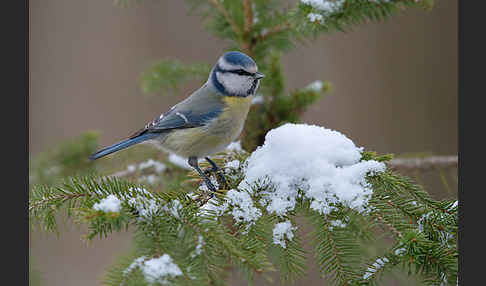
{"x": 241, "y": 72}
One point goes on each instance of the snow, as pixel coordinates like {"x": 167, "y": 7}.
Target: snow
{"x": 212, "y": 207}
{"x": 158, "y": 166}
{"x": 174, "y": 209}
{"x": 315, "y": 17}
{"x": 234, "y": 146}
{"x": 200, "y": 243}
{"x": 400, "y": 251}
{"x": 235, "y": 164}
{"x": 336, "y": 223}
{"x": 179, "y": 161}
{"x": 155, "y": 270}
{"x": 136, "y": 263}
{"x": 377, "y": 265}
{"x": 145, "y": 206}
{"x": 237, "y": 203}
{"x": 282, "y": 230}
{"x": 108, "y": 204}
{"x": 131, "y": 168}
{"x": 325, "y": 6}
{"x": 315, "y": 85}
{"x": 454, "y": 205}
{"x": 311, "y": 161}
{"x": 243, "y": 207}
{"x": 420, "y": 221}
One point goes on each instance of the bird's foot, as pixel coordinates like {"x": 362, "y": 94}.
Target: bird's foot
{"x": 220, "y": 177}
{"x": 215, "y": 169}
{"x": 209, "y": 184}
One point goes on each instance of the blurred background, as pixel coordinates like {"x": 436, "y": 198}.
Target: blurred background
{"x": 395, "y": 90}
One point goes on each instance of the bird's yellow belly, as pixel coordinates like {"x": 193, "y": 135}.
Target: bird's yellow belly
{"x": 215, "y": 136}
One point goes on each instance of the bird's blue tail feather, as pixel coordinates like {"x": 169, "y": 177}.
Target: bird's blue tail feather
{"x": 121, "y": 145}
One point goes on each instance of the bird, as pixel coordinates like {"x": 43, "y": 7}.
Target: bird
{"x": 207, "y": 121}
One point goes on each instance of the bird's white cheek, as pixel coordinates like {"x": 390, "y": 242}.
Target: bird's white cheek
{"x": 234, "y": 83}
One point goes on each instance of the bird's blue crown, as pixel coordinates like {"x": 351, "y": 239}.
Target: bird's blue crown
{"x": 238, "y": 58}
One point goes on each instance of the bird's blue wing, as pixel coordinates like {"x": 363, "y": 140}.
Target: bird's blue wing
{"x": 195, "y": 111}
{"x": 182, "y": 119}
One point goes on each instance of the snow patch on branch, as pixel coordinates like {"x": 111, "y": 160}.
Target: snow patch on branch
{"x": 325, "y": 6}
{"x": 159, "y": 269}
{"x": 313, "y": 17}
{"x": 237, "y": 203}
{"x": 108, "y": 204}
{"x": 316, "y": 85}
{"x": 380, "y": 262}
{"x": 282, "y": 230}
{"x": 319, "y": 164}
{"x": 232, "y": 165}
{"x": 146, "y": 206}
{"x": 199, "y": 247}
{"x": 155, "y": 270}
{"x": 235, "y": 146}
{"x": 336, "y": 223}
{"x": 243, "y": 208}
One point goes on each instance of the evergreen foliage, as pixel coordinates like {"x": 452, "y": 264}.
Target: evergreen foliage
{"x": 174, "y": 219}
{"x": 204, "y": 244}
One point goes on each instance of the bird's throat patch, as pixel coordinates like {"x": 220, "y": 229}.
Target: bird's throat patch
{"x": 237, "y": 102}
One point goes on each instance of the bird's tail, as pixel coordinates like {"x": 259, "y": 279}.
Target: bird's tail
{"x": 122, "y": 145}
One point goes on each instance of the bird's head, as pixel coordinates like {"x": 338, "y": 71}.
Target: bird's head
{"x": 236, "y": 74}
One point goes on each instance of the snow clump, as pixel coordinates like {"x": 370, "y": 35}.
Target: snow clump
{"x": 155, "y": 270}
{"x": 282, "y": 230}
{"x": 319, "y": 164}
{"x": 108, "y": 204}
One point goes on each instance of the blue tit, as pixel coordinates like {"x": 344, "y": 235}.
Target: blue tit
{"x": 208, "y": 120}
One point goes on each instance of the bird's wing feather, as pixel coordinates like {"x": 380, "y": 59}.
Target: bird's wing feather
{"x": 202, "y": 106}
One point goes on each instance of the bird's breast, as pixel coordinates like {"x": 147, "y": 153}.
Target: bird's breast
{"x": 215, "y": 135}
{"x": 232, "y": 119}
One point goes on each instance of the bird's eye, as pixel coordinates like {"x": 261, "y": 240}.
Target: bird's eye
{"x": 241, "y": 72}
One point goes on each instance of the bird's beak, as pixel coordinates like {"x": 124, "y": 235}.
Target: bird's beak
{"x": 258, "y": 75}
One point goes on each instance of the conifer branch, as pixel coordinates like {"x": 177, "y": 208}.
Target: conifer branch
{"x": 274, "y": 30}
{"x": 422, "y": 164}
{"x": 247, "y": 6}
{"x": 227, "y": 16}
{"x": 387, "y": 223}
{"x": 206, "y": 240}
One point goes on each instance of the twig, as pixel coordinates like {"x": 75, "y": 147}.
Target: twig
{"x": 390, "y": 226}
{"x": 247, "y": 6}
{"x": 274, "y": 30}
{"x": 248, "y": 21}
{"x": 424, "y": 163}
{"x": 226, "y": 15}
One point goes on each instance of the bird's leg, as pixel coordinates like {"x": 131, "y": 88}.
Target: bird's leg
{"x": 193, "y": 163}
{"x": 214, "y": 168}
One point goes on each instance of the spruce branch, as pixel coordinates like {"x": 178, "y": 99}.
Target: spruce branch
{"x": 247, "y": 6}
{"x": 221, "y": 9}
{"x": 337, "y": 252}
{"x": 274, "y": 30}
{"x": 387, "y": 223}
{"x": 168, "y": 74}
{"x": 207, "y": 240}
{"x": 422, "y": 164}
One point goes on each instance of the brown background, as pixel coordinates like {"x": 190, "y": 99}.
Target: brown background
{"x": 394, "y": 90}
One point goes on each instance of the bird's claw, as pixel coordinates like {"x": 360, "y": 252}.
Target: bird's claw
{"x": 210, "y": 185}
{"x": 220, "y": 176}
